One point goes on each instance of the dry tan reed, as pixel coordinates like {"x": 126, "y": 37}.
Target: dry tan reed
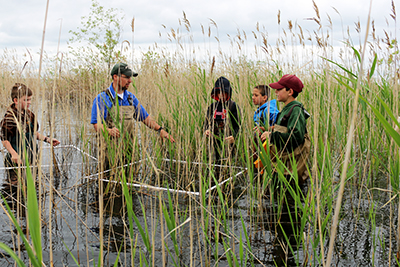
{"x": 175, "y": 89}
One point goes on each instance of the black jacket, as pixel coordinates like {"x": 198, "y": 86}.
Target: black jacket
{"x": 223, "y": 118}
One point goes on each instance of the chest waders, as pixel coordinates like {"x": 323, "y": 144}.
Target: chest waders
{"x": 21, "y": 141}
{"x": 119, "y": 151}
{"x": 297, "y": 159}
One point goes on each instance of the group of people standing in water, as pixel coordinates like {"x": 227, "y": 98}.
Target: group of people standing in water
{"x": 281, "y": 134}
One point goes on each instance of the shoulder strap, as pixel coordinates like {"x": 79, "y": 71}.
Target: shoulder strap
{"x": 110, "y": 96}
{"x": 286, "y": 117}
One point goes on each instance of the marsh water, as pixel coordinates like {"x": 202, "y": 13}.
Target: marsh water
{"x": 363, "y": 238}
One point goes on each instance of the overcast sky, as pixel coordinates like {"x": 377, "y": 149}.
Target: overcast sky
{"x": 21, "y": 23}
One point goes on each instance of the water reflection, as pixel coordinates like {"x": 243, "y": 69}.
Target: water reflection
{"x": 14, "y": 181}
{"x": 274, "y": 232}
{"x": 281, "y": 230}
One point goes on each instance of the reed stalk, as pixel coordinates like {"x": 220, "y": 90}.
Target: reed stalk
{"x": 232, "y": 224}
{"x": 348, "y": 149}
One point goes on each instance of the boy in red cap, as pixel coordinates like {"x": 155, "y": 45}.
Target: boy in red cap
{"x": 289, "y": 138}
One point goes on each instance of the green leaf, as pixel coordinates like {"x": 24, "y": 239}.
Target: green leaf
{"x": 373, "y": 66}
{"x": 358, "y": 56}
{"x": 340, "y": 66}
{"x": 132, "y": 215}
{"x": 33, "y": 214}
{"x": 10, "y": 252}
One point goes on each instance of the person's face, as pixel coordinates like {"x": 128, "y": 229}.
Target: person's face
{"x": 282, "y": 95}
{"x": 221, "y": 96}
{"x": 123, "y": 81}
{"x": 23, "y": 103}
{"x": 258, "y": 98}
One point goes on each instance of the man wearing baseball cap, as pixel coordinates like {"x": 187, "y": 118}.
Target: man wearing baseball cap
{"x": 115, "y": 109}
{"x": 289, "y": 136}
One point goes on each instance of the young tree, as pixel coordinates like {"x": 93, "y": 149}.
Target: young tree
{"x": 102, "y": 30}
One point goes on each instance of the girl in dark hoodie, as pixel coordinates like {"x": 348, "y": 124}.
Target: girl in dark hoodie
{"x": 222, "y": 121}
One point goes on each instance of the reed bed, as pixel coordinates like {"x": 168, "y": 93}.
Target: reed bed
{"x": 253, "y": 219}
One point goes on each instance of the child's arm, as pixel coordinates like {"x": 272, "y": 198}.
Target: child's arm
{"x": 44, "y": 138}
{"x": 265, "y": 135}
{"x": 14, "y": 155}
{"x": 207, "y": 121}
{"x": 296, "y": 128}
{"x": 259, "y": 130}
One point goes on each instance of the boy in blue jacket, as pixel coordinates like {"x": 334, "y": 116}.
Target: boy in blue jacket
{"x": 267, "y": 111}
{"x": 265, "y": 115}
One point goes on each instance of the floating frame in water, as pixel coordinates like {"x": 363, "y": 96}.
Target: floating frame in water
{"x": 156, "y": 188}
{"x": 51, "y": 165}
{"x": 241, "y": 170}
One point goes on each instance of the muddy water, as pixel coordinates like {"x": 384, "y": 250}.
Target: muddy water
{"x": 363, "y": 236}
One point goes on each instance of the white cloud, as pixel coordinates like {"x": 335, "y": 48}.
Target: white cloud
{"x": 22, "y": 24}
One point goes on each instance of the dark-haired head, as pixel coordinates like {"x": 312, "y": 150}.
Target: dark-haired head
{"x": 295, "y": 93}
{"x": 263, "y": 89}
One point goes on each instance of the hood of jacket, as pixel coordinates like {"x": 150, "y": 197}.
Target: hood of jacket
{"x": 222, "y": 84}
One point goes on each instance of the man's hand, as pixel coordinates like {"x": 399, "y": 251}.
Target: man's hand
{"x": 230, "y": 139}
{"x": 207, "y": 133}
{"x": 165, "y": 135}
{"x": 113, "y": 132}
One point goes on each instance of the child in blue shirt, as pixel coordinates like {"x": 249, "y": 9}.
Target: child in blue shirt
{"x": 266, "y": 113}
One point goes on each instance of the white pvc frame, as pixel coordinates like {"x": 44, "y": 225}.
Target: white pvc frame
{"x": 95, "y": 176}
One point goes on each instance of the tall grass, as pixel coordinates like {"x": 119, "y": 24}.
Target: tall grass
{"x": 254, "y": 219}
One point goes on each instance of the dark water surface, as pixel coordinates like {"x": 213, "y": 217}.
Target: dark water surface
{"x": 362, "y": 240}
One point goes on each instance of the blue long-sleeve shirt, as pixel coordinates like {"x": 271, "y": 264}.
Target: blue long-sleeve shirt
{"x": 103, "y": 103}
{"x": 268, "y": 110}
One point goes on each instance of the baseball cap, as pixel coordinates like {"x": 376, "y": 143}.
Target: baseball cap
{"x": 123, "y": 68}
{"x": 288, "y": 81}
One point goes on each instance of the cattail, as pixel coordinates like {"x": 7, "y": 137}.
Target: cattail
{"x": 212, "y": 65}
{"x": 186, "y": 21}
{"x": 316, "y": 10}
{"x": 166, "y": 69}
{"x": 279, "y": 17}
{"x": 358, "y": 26}
{"x": 393, "y": 15}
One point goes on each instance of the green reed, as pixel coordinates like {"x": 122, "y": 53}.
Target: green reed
{"x": 34, "y": 224}
{"x": 176, "y": 91}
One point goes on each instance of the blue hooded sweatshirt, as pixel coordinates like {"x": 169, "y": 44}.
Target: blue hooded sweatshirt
{"x": 262, "y": 112}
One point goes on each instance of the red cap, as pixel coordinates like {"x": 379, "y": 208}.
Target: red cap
{"x": 288, "y": 81}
